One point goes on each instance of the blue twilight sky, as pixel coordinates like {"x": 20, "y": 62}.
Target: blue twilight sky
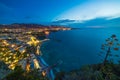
{"x": 40, "y": 11}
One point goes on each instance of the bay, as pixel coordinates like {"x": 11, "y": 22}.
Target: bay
{"x": 76, "y": 48}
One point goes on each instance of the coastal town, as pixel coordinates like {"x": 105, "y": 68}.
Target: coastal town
{"x": 19, "y": 45}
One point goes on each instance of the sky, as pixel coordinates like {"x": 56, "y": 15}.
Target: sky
{"x": 40, "y": 11}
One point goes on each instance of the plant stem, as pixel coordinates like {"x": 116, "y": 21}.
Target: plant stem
{"x": 106, "y": 57}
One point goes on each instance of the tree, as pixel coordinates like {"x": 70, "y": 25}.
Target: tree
{"x": 112, "y": 44}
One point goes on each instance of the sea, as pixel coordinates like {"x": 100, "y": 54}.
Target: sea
{"x": 76, "y": 48}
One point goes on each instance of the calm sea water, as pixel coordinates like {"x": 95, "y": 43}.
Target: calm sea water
{"x": 76, "y": 47}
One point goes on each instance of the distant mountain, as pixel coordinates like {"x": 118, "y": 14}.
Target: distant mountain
{"x": 16, "y": 25}
{"x": 103, "y": 22}
{"x": 99, "y": 22}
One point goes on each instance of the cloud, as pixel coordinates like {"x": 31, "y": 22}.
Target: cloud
{"x": 64, "y": 21}
{"x": 108, "y": 9}
{"x": 98, "y": 23}
{"x": 31, "y": 17}
{"x": 27, "y": 17}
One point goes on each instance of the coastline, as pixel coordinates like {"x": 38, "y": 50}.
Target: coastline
{"x": 43, "y": 64}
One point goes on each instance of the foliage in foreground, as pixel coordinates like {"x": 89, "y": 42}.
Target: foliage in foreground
{"x": 20, "y": 74}
{"x": 92, "y": 72}
{"x": 4, "y": 70}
